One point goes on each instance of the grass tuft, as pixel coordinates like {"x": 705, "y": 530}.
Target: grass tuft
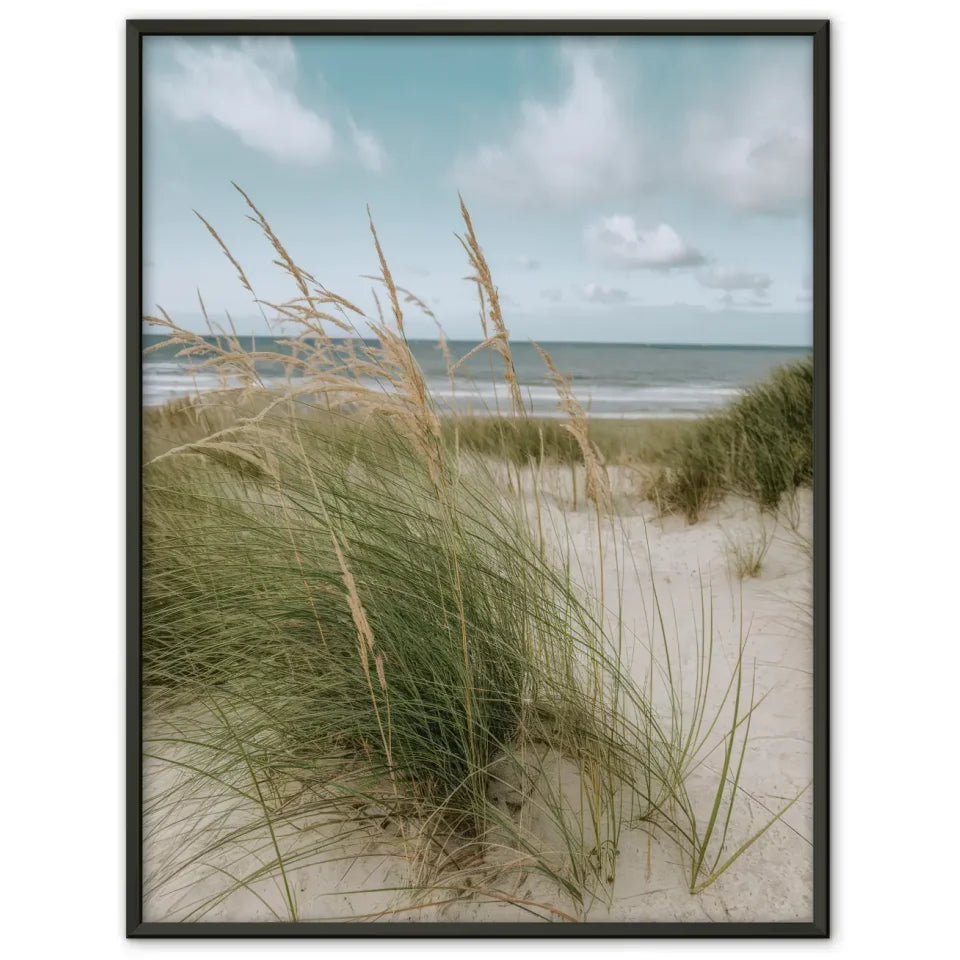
{"x": 746, "y": 552}
{"x": 759, "y": 446}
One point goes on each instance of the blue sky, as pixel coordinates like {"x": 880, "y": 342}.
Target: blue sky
{"x": 641, "y": 189}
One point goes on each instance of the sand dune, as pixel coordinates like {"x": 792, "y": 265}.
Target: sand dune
{"x": 365, "y": 872}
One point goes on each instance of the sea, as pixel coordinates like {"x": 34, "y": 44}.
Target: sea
{"x": 611, "y": 380}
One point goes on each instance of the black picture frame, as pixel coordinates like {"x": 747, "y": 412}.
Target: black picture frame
{"x": 819, "y": 30}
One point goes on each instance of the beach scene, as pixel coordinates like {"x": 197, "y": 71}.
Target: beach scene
{"x": 477, "y": 466}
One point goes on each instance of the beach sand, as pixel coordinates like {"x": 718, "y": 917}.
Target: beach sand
{"x": 362, "y": 875}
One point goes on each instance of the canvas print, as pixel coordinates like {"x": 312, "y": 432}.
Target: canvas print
{"x": 477, "y": 477}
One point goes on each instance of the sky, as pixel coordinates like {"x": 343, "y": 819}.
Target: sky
{"x": 630, "y": 189}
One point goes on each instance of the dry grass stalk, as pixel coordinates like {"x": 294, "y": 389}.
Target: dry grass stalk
{"x": 444, "y": 346}
{"x": 341, "y": 372}
{"x": 225, "y": 355}
{"x": 499, "y": 340}
{"x": 598, "y": 482}
{"x": 240, "y": 271}
{"x": 306, "y": 311}
{"x": 296, "y": 553}
{"x": 415, "y": 412}
{"x": 286, "y": 262}
{"x": 365, "y": 647}
{"x": 410, "y": 297}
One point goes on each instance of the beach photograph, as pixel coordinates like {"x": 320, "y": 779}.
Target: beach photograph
{"x": 477, "y": 379}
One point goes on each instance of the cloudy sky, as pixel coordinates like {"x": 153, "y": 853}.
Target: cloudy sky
{"x": 639, "y": 189}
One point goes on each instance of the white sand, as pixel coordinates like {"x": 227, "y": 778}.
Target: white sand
{"x": 773, "y": 879}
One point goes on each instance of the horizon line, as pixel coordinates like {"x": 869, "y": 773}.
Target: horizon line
{"x": 564, "y": 343}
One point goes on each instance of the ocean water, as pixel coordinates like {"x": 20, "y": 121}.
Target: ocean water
{"x": 631, "y": 381}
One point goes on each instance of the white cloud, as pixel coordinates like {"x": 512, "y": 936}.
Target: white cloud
{"x": 583, "y": 147}
{"x": 528, "y": 263}
{"x": 618, "y": 242}
{"x": 368, "y": 147}
{"x": 806, "y": 292}
{"x": 248, "y": 89}
{"x": 730, "y": 278}
{"x": 753, "y": 152}
{"x": 598, "y": 293}
{"x": 553, "y": 294}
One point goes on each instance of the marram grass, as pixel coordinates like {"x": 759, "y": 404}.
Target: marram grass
{"x": 760, "y": 446}
{"x": 353, "y": 636}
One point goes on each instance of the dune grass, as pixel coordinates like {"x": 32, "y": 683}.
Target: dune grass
{"x": 620, "y": 442}
{"x": 324, "y": 583}
{"x": 352, "y": 635}
{"x": 759, "y": 446}
{"x": 747, "y": 551}
{"x": 276, "y": 568}
{"x": 517, "y": 440}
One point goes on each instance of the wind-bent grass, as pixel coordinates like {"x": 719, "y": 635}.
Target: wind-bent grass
{"x": 353, "y": 636}
{"x": 260, "y": 575}
{"x": 759, "y": 446}
{"x": 322, "y": 583}
{"x": 515, "y": 440}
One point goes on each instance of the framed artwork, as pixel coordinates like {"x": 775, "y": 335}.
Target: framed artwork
{"x": 478, "y": 485}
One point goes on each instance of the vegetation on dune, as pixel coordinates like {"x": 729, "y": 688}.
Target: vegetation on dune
{"x": 746, "y": 554}
{"x": 516, "y": 440}
{"x": 346, "y": 621}
{"x": 529, "y": 439}
{"x": 759, "y": 446}
{"x": 409, "y": 627}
